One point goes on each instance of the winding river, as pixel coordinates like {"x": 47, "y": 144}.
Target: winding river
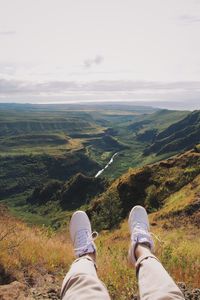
{"x": 108, "y": 164}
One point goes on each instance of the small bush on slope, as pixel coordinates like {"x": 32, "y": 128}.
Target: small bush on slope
{"x": 109, "y": 214}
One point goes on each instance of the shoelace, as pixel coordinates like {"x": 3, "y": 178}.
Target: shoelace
{"x": 89, "y": 239}
{"x": 157, "y": 238}
{"x": 138, "y": 225}
{"x": 141, "y": 230}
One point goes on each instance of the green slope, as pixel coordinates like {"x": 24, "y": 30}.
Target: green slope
{"x": 179, "y": 136}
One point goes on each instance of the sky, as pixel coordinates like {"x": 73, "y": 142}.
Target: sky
{"x": 56, "y": 51}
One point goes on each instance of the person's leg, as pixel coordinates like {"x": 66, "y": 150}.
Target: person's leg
{"x": 82, "y": 282}
{"x": 154, "y": 281}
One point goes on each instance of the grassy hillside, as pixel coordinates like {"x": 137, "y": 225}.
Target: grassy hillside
{"x": 178, "y": 137}
{"x": 36, "y": 131}
{"x": 20, "y": 173}
{"x": 30, "y": 257}
{"x": 159, "y": 120}
{"x": 150, "y": 186}
{"x": 176, "y": 223}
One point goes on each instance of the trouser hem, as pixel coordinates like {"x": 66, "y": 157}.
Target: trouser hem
{"x": 140, "y": 260}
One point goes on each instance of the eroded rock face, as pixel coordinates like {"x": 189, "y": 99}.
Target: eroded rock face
{"x": 48, "y": 288}
{"x": 12, "y": 291}
{"x": 5, "y": 278}
{"x": 49, "y": 294}
{"x": 51, "y": 291}
{"x": 189, "y": 294}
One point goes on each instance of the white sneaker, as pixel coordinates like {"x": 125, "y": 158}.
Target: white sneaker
{"x": 81, "y": 234}
{"x": 139, "y": 229}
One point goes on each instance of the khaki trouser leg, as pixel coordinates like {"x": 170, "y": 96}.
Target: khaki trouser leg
{"x": 154, "y": 281}
{"x": 82, "y": 282}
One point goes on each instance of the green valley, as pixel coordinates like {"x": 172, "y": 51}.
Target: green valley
{"x": 40, "y": 143}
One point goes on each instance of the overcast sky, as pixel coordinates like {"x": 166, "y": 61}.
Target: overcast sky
{"x": 75, "y": 50}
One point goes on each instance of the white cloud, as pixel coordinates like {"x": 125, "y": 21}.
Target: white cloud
{"x": 189, "y": 19}
{"x": 88, "y": 63}
{"x": 7, "y": 32}
{"x": 66, "y": 91}
{"x": 123, "y": 49}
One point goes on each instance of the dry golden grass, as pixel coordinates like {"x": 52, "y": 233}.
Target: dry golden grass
{"x": 179, "y": 252}
{"x": 113, "y": 267}
{"x": 38, "y": 250}
{"x": 182, "y": 198}
{"x": 24, "y": 249}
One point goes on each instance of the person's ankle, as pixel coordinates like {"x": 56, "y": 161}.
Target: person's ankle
{"x": 142, "y": 249}
{"x": 91, "y": 255}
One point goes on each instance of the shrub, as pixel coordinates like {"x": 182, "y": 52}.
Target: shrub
{"x": 109, "y": 212}
{"x": 151, "y": 201}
